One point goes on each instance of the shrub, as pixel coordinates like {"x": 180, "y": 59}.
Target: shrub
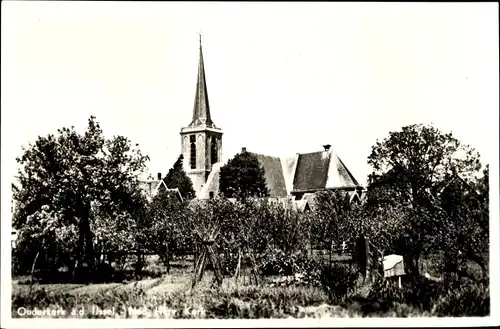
{"x": 382, "y": 295}
{"x": 276, "y": 262}
{"x": 337, "y": 280}
{"x": 471, "y": 299}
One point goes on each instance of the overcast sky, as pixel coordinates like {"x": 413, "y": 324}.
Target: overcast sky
{"x": 282, "y": 77}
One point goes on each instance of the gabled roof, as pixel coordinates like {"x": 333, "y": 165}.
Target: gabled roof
{"x": 310, "y": 198}
{"x": 152, "y": 187}
{"x": 274, "y": 175}
{"x": 455, "y": 179}
{"x": 288, "y": 165}
{"x": 312, "y": 171}
{"x": 212, "y": 183}
{"x": 319, "y": 170}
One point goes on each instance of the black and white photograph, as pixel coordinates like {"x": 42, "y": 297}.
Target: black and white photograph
{"x": 176, "y": 164}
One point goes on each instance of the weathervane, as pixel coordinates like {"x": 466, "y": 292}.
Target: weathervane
{"x": 199, "y": 33}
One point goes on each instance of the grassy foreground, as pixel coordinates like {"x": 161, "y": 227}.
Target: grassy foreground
{"x": 171, "y": 297}
{"x": 162, "y": 295}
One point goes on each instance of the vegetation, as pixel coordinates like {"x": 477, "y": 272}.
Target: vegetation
{"x": 410, "y": 168}
{"x": 76, "y": 195}
{"x": 177, "y": 178}
{"x": 243, "y": 177}
{"x": 82, "y": 217}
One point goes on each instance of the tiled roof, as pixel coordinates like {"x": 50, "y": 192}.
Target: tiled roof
{"x": 312, "y": 171}
{"x": 274, "y": 175}
{"x": 319, "y": 170}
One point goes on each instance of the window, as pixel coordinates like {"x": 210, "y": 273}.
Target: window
{"x": 213, "y": 151}
{"x": 193, "y": 152}
{"x": 211, "y": 194}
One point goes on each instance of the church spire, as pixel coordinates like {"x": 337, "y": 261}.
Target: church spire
{"x": 201, "y": 110}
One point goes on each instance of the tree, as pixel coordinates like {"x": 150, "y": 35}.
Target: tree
{"x": 162, "y": 228}
{"x": 177, "y": 178}
{"x": 243, "y": 177}
{"x": 417, "y": 158}
{"x": 76, "y": 193}
{"x": 467, "y": 238}
{"x": 332, "y": 223}
{"x": 409, "y": 166}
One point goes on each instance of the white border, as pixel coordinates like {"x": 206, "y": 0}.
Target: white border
{"x": 8, "y": 322}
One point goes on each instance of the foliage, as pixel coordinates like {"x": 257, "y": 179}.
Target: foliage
{"x": 162, "y": 228}
{"x": 417, "y": 158}
{"x": 177, "y": 178}
{"x": 75, "y": 194}
{"x": 410, "y": 167}
{"x": 469, "y": 298}
{"x": 243, "y": 177}
{"x": 338, "y": 280}
{"x": 333, "y": 220}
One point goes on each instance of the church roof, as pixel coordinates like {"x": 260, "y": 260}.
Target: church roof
{"x": 273, "y": 174}
{"x": 319, "y": 170}
{"x": 306, "y": 172}
{"x": 212, "y": 183}
{"x": 288, "y": 165}
{"x": 312, "y": 171}
{"x": 201, "y": 110}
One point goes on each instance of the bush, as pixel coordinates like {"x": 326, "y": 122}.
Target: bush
{"x": 337, "y": 280}
{"x": 276, "y": 262}
{"x": 468, "y": 300}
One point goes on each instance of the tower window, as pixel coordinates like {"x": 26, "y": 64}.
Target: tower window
{"x": 213, "y": 151}
{"x": 192, "y": 160}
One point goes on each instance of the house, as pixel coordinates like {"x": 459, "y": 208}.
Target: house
{"x": 152, "y": 187}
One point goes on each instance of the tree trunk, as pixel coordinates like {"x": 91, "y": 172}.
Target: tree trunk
{"x": 254, "y": 269}
{"x": 33, "y": 272}
{"x": 199, "y": 267}
{"x": 86, "y": 239}
{"x": 330, "y": 254}
{"x": 417, "y": 260}
{"x": 167, "y": 259}
{"x": 214, "y": 259}
{"x": 238, "y": 267}
{"x": 196, "y": 254}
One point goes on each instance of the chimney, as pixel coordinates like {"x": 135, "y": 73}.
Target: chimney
{"x": 159, "y": 176}
{"x": 326, "y": 147}
{"x": 243, "y": 149}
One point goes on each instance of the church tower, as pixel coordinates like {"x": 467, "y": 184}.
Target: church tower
{"x": 201, "y": 140}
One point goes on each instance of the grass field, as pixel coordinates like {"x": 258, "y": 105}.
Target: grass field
{"x": 162, "y": 295}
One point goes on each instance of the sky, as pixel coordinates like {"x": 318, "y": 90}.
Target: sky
{"x": 283, "y": 78}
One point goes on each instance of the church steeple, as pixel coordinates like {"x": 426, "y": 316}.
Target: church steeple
{"x": 201, "y": 140}
{"x": 201, "y": 110}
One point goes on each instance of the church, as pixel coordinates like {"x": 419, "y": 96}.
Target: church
{"x": 294, "y": 178}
